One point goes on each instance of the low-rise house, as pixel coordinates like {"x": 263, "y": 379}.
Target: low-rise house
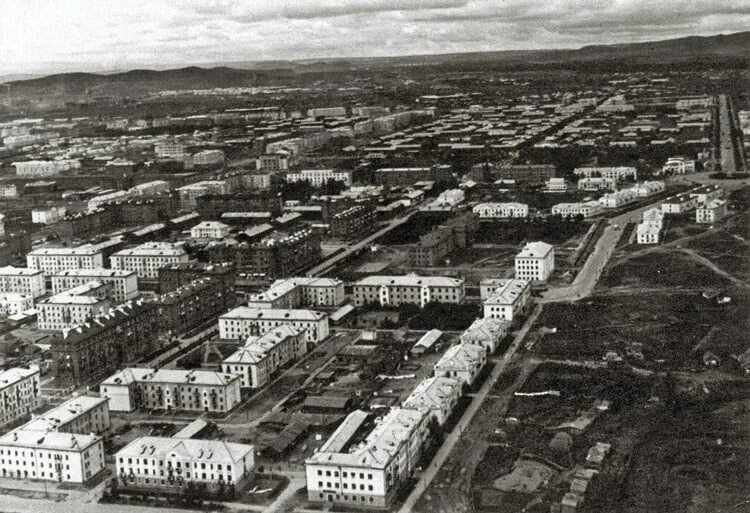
{"x": 462, "y": 362}
{"x": 438, "y": 395}
{"x": 486, "y": 333}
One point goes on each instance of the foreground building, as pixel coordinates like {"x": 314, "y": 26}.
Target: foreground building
{"x": 584, "y": 209}
{"x": 367, "y": 472}
{"x": 711, "y": 211}
{"x": 165, "y": 389}
{"x": 73, "y": 307}
{"x": 649, "y": 230}
{"x": 20, "y": 393}
{"x": 535, "y": 262}
{"x": 413, "y": 289}
{"x": 169, "y": 464}
{"x": 462, "y": 362}
{"x": 505, "y": 299}
{"x": 486, "y": 333}
{"x": 437, "y": 395}
{"x": 262, "y": 356}
{"x": 243, "y": 322}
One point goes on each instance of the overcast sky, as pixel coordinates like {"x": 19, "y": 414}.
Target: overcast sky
{"x": 54, "y": 35}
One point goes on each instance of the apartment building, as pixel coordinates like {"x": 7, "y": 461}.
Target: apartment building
{"x": 166, "y": 389}
{"x": 678, "y": 166}
{"x": 124, "y": 284}
{"x": 190, "y": 193}
{"x": 506, "y": 300}
{"x": 20, "y": 393}
{"x": 433, "y": 247}
{"x": 272, "y": 162}
{"x": 414, "y": 289}
{"x": 8, "y": 190}
{"x": 298, "y": 292}
{"x": 649, "y": 188}
{"x": 54, "y": 260}
{"x": 73, "y": 307}
{"x": 711, "y": 211}
{"x": 209, "y": 230}
{"x": 679, "y": 204}
{"x": 243, "y": 322}
{"x": 619, "y": 198}
{"x": 354, "y": 222}
{"x": 437, "y": 395}
{"x": 649, "y": 230}
{"x": 557, "y": 184}
{"x": 170, "y": 149}
{"x": 706, "y": 193}
{"x": 48, "y": 215}
{"x": 90, "y": 352}
{"x": 81, "y": 414}
{"x": 13, "y": 303}
{"x": 22, "y": 280}
{"x": 618, "y": 173}
{"x": 170, "y": 464}
{"x": 194, "y": 304}
{"x": 148, "y": 258}
{"x": 586, "y": 209}
{"x": 319, "y": 177}
{"x": 209, "y": 158}
{"x": 367, "y": 472}
{"x": 262, "y": 356}
{"x": 486, "y": 333}
{"x": 42, "y": 168}
{"x": 525, "y": 173}
{"x": 462, "y": 362}
{"x": 501, "y": 210}
{"x": 174, "y": 276}
{"x": 535, "y": 262}
{"x": 597, "y": 183}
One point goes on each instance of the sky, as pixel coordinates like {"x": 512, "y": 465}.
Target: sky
{"x": 44, "y": 36}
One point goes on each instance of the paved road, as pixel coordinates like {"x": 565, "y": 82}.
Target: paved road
{"x": 327, "y": 264}
{"x": 726, "y": 142}
{"x": 450, "y": 441}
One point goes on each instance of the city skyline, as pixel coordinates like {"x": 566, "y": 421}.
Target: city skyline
{"x": 105, "y": 35}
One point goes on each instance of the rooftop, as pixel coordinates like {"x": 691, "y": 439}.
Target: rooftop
{"x": 535, "y": 250}
{"x": 411, "y": 280}
{"x": 245, "y": 312}
{"x": 195, "y": 377}
{"x": 186, "y": 449}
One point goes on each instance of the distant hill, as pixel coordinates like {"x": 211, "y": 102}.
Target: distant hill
{"x": 719, "y": 48}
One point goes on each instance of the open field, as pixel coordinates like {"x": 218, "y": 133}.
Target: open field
{"x": 516, "y": 231}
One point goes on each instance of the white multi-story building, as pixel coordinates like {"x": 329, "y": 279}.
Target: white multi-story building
{"x": 171, "y": 463}
{"x": 8, "y": 190}
{"x": 124, "y": 283}
{"x": 557, "y": 184}
{"x": 12, "y": 303}
{"x": 209, "y": 158}
{"x": 148, "y": 258}
{"x": 243, "y": 322}
{"x": 438, "y": 395}
{"x": 370, "y": 473}
{"x": 462, "y": 362}
{"x": 619, "y": 198}
{"x": 278, "y": 161}
{"x": 262, "y": 356}
{"x": 486, "y": 333}
{"x": 706, "y": 193}
{"x": 54, "y": 260}
{"x": 419, "y": 290}
{"x": 646, "y": 189}
{"x": 618, "y": 173}
{"x": 209, "y": 230}
{"x": 20, "y": 393}
{"x": 300, "y": 291}
{"x": 501, "y": 210}
{"x": 166, "y": 389}
{"x": 586, "y": 209}
{"x": 679, "y": 204}
{"x": 712, "y": 211}
{"x": 48, "y": 215}
{"x": 649, "y": 230}
{"x": 73, "y": 307}
{"x": 81, "y": 414}
{"x": 328, "y": 112}
{"x": 535, "y": 262}
{"x": 150, "y": 188}
{"x": 41, "y": 168}
{"x": 678, "y": 166}
{"x": 597, "y": 183}
{"x": 190, "y": 193}
{"x": 446, "y": 200}
{"x": 505, "y": 299}
{"x": 22, "y": 280}
{"x": 318, "y": 177}
{"x": 170, "y": 149}
{"x": 100, "y": 200}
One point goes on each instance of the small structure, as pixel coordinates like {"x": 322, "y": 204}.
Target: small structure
{"x": 596, "y": 455}
{"x": 426, "y": 342}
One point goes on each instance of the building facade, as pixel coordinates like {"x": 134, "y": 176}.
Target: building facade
{"x": 505, "y": 299}
{"x": 501, "y": 210}
{"x": 54, "y": 260}
{"x": 148, "y": 258}
{"x": 124, "y": 284}
{"x": 22, "y": 280}
{"x": 73, "y": 307}
{"x": 20, "y": 393}
{"x": 298, "y": 292}
{"x": 414, "y": 289}
{"x": 535, "y": 262}
{"x": 243, "y": 322}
